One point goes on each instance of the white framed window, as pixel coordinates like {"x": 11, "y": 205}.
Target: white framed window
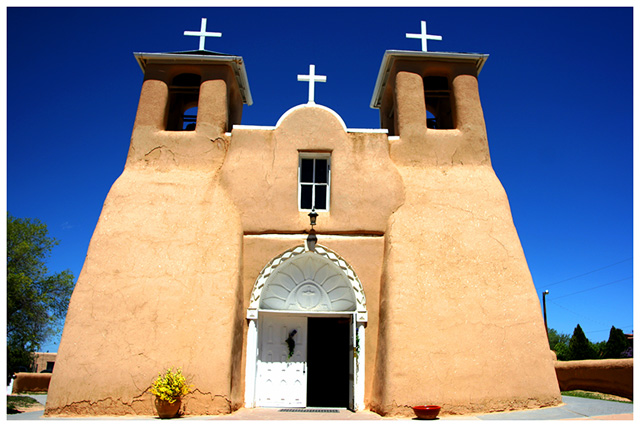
{"x": 314, "y": 181}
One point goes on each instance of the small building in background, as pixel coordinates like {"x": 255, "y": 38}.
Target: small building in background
{"x": 43, "y": 362}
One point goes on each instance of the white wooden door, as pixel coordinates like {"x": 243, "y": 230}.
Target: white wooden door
{"x": 281, "y": 380}
{"x": 352, "y": 361}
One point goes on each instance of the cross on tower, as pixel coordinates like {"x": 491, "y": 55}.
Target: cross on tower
{"x": 312, "y": 79}
{"x": 423, "y": 36}
{"x": 202, "y": 33}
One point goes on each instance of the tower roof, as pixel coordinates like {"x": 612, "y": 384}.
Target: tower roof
{"x": 390, "y": 56}
{"x": 201, "y": 57}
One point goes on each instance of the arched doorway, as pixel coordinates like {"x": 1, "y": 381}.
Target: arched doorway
{"x": 305, "y": 342}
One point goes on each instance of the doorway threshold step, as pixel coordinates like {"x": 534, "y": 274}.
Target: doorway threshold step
{"x": 315, "y": 410}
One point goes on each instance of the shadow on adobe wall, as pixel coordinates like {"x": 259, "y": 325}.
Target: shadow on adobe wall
{"x": 30, "y": 382}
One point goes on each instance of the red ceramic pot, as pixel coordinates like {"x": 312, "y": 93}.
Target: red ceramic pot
{"x": 427, "y": 412}
{"x": 166, "y": 409}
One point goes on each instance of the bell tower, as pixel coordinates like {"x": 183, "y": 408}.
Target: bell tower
{"x": 430, "y": 101}
{"x": 193, "y": 97}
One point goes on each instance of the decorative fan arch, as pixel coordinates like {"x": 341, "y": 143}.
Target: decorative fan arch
{"x": 302, "y": 280}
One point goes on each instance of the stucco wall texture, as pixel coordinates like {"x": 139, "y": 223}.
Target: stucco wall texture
{"x": 453, "y": 317}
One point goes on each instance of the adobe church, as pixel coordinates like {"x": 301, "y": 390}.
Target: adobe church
{"x": 411, "y": 288}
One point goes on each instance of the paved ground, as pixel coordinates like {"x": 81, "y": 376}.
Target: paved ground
{"x": 573, "y": 408}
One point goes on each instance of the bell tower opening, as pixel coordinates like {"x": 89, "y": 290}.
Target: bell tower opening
{"x": 437, "y": 99}
{"x": 184, "y": 92}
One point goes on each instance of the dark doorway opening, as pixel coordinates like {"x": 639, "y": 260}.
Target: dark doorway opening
{"x": 328, "y": 353}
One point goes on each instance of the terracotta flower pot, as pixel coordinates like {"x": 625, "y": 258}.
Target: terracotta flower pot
{"x": 427, "y": 412}
{"x": 166, "y": 409}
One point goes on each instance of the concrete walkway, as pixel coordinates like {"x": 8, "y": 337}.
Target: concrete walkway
{"x": 573, "y": 408}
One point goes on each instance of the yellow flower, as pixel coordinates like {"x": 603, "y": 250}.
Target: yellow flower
{"x": 170, "y": 386}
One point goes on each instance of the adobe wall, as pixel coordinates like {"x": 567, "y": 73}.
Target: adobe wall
{"x": 161, "y": 283}
{"x": 460, "y": 322}
{"x": 148, "y": 298}
{"x": 261, "y": 175}
{"x": 31, "y": 382}
{"x": 611, "y": 376}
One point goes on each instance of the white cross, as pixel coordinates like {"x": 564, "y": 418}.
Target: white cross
{"x": 202, "y": 33}
{"x": 312, "y": 79}
{"x": 423, "y": 36}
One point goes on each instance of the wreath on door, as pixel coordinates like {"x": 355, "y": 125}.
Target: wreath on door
{"x": 291, "y": 343}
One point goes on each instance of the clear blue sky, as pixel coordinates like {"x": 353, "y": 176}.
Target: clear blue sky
{"x": 556, "y": 91}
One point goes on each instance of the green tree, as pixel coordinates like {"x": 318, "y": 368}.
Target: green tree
{"x": 580, "y": 347}
{"x": 559, "y": 343}
{"x": 36, "y": 300}
{"x": 555, "y": 337}
{"x": 562, "y": 350}
{"x": 616, "y": 344}
{"x": 599, "y": 349}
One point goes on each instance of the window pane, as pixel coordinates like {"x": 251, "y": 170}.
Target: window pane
{"x": 321, "y": 197}
{"x": 305, "y": 196}
{"x": 321, "y": 171}
{"x": 306, "y": 170}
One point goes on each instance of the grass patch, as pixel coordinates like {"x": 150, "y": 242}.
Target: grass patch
{"x": 595, "y": 395}
{"x": 15, "y": 404}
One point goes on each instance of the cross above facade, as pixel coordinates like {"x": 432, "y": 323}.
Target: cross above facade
{"x": 202, "y": 33}
{"x": 423, "y": 36}
{"x": 312, "y": 78}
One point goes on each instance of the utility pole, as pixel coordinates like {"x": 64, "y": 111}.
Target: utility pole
{"x": 544, "y": 310}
